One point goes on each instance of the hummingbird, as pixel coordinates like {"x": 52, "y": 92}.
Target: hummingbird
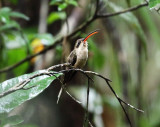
{"x": 77, "y": 58}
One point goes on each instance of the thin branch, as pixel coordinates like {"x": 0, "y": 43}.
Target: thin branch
{"x": 107, "y": 81}
{"x": 84, "y": 25}
{"x": 25, "y": 41}
{"x": 59, "y": 66}
{"x": 90, "y": 123}
{"x": 86, "y": 112}
{"x": 123, "y": 11}
{"x": 64, "y": 88}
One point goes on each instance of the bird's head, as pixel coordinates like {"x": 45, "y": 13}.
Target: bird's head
{"x": 83, "y": 41}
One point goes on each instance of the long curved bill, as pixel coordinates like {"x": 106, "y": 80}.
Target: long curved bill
{"x": 90, "y": 34}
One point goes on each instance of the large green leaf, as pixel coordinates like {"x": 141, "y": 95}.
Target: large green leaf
{"x": 16, "y": 98}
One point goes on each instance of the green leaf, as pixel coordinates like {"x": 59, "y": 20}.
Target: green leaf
{"x": 16, "y": 98}
{"x": 55, "y": 2}
{"x": 19, "y": 15}
{"x": 5, "y": 10}
{"x": 4, "y": 15}
{"x": 4, "y": 18}
{"x": 54, "y": 16}
{"x": 12, "y": 120}
{"x": 73, "y": 2}
{"x": 11, "y": 24}
{"x": 62, "y": 6}
{"x": 46, "y": 39}
{"x": 153, "y": 3}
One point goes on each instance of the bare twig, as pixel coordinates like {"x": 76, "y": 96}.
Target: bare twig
{"x": 64, "y": 88}
{"x": 107, "y": 81}
{"x": 90, "y": 123}
{"x": 84, "y": 25}
{"x": 58, "y": 66}
{"x": 123, "y": 11}
{"x": 86, "y": 112}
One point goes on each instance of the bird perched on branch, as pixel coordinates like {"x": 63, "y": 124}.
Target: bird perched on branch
{"x": 79, "y": 55}
{"x": 77, "y": 58}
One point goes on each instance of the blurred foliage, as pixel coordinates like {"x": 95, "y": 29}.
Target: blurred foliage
{"x": 133, "y": 22}
{"x": 5, "y": 19}
{"x": 63, "y": 4}
{"x": 153, "y": 3}
{"x": 61, "y": 14}
{"x": 46, "y": 39}
{"x": 14, "y": 2}
{"x": 11, "y": 120}
{"x": 54, "y": 16}
{"x": 12, "y": 46}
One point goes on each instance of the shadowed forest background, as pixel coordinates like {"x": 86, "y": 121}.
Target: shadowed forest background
{"x": 126, "y": 51}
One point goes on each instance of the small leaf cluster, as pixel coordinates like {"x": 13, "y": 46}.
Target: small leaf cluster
{"x": 60, "y": 14}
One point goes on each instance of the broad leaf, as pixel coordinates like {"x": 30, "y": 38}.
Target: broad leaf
{"x": 16, "y": 98}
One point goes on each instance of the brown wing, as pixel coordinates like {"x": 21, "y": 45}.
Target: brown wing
{"x": 72, "y": 58}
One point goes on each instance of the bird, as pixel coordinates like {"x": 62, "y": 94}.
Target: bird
{"x": 78, "y": 57}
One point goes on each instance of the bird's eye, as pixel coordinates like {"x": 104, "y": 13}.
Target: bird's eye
{"x": 78, "y": 44}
